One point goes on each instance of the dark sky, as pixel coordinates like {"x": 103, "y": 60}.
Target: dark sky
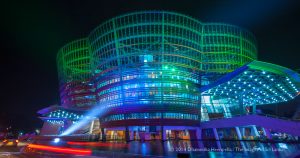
{"x": 33, "y": 31}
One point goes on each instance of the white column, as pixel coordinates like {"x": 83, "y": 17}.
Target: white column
{"x": 238, "y": 132}
{"x": 217, "y": 138}
{"x": 91, "y": 127}
{"x": 255, "y": 130}
{"x": 243, "y": 131}
{"x": 216, "y": 134}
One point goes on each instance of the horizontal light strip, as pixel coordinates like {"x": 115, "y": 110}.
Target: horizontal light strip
{"x": 61, "y": 149}
{"x": 98, "y": 144}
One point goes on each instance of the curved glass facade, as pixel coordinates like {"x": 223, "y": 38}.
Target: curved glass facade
{"x": 152, "y": 61}
{"x": 226, "y": 47}
{"x": 157, "y": 75}
{"x": 74, "y": 72}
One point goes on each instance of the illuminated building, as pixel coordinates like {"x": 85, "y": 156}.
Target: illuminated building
{"x": 158, "y": 74}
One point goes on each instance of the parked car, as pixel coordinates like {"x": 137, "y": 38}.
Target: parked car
{"x": 10, "y": 140}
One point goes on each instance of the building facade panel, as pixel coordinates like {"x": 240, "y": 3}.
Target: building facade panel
{"x": 145, "y": 71}
{"x": 74, "y": 72}
{"x": 153, "y": 60}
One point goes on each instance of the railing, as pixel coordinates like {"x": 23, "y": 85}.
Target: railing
{"x": 260, "y": 114}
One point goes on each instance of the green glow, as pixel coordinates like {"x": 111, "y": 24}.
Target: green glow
{"x": 154, "y": 58}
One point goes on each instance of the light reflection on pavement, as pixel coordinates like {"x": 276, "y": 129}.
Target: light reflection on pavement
{"x": 10, "y": 151}
{"x": 160, "y": 149}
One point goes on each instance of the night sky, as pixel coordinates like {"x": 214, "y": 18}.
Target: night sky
{"x": 33, "y": 31}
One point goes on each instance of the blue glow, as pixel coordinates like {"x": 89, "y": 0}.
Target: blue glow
{"x": 88, "y": 117}
{"x": 56, "y": 140}
{"x": 283, "y": 145}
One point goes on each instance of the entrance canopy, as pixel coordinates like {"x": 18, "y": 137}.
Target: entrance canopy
{"x": 256, "y": 83}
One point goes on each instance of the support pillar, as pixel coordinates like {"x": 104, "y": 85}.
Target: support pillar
{"x": 131, "y": 135}
{"x": 243, "y": 132}
{"x": 103, "y": 134}
{"x": 163, "y": 133}
{"x": 255, "y": 131}
{"x": 198, "y": 133}
{"x": 254, "y": 109}
{"x": 267, "y": 133}
{"x": 216, "y": 134}
{"x": 238, "y": 132}
{"x": 217, "y": 138}
{"x": 142, "y": 135}
{"x": 91, "y": 127}
{"x": 241, "y": 105}
{"x": 127, "y": 136}
{"x": 199, "y": 137}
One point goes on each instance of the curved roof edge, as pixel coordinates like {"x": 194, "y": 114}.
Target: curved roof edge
{"x": 57, "y": 107}
{"x": 277, "y": 69}
{"x": 257, "y": 65}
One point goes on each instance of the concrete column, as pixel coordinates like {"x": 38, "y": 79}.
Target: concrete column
{"x": 131, "y": 135}
{"x": 217, "y": 138}
{"x": 127, "y": 136}
{"x": 238, "y": 132}
{"x": 254, "y": 109}
{"x": 91, "y": 127}
{"x": 241, "y": 105}
{"x": 103, "y": 134}
{"x": 163, "y": 133}
{"x": 255, "y": 131}
{"x": 243, "y": 131}
{"x": 267, "y": 133}
{"x": 216, "y": 134}
{"x": 192, "y": 134}
{"x": 199, "y": 133}
{"x": 142, "y": 136}
{"x": 137, "y": 136}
